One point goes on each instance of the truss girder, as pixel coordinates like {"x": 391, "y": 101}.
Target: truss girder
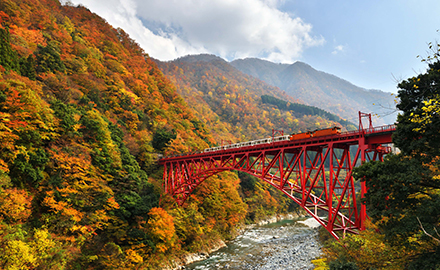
{"x": 317, "y": 175}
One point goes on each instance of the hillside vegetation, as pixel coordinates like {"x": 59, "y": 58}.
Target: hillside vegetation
{"x": 403, "y": 195}
{"x": 230, "y": 102}
{"x": 84, "y": 114}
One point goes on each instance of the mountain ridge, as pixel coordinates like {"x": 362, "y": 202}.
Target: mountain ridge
{"x": 317, "y": 88}
{"x": 217, "y": 90}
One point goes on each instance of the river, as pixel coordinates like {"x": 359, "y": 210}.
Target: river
{"x": 287, "y": 244}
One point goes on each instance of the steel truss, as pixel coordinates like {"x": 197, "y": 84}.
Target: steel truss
{"x": 316, "y": 173}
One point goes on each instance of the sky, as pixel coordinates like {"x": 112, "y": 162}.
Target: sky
{"x": 373, "y": 44}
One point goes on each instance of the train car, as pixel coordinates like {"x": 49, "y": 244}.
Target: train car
{"x": 327, "y": 131}
{"x": 300, "y": 136}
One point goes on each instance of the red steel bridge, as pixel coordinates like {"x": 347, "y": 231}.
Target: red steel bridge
{"x": 315, "y": 172}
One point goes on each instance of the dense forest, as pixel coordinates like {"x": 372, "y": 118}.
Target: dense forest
{"x": 84, "y": 115}
{"x": 301, "y": 109}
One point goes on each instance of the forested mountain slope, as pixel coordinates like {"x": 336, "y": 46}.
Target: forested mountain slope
{"x": 230, "y": 102}
{"x": 84, "y": 113}
{"x": 319, "y": 89}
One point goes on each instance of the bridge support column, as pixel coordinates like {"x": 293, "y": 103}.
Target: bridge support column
{"x": 315, "y": 172}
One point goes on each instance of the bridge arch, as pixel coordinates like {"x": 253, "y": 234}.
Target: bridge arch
{"x": 315, "y": 172}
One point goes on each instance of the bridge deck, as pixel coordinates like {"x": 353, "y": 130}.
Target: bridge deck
{"x": 377, "y": 135}
{"x": 315, "y": 172}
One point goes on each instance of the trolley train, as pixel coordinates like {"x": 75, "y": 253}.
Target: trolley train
{"x": 299, "y": 136}
{"x": 316, "y": 133}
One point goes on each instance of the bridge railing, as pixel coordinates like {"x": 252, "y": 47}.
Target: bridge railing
{"x": 380, "y": 129}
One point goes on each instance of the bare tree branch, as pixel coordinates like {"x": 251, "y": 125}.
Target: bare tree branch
{"x": 421, "y": 226}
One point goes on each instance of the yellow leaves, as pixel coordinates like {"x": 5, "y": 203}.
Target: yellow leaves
{"x": 367, "y": 250}
{"x": 68, "y": 25}
{"x": 95, "y": 66}
{"x": 30, "y": 253}
{"x": 430, "y": 109}
{"x": 131, "y": 121}
{"x": 161, "y": 229}
{"x": 18, "y": 255}
{"x": 133, "y": 256}
{"x": 320, "y": 264}
{"x": 42, "y": 241}
{"x": 419, "y": 196}
{"x": 15, "y": 205}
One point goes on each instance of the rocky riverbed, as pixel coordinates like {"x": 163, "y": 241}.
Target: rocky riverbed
{"x": 276, "y": 246}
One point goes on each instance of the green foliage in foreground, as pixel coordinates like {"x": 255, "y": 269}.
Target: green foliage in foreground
{"x": 403, "y": 195}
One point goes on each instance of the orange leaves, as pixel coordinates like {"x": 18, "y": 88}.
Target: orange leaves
{"x": 24, "y": 108}
{"x": 4, "y": 18}
{"x": 31, "y": 37}
{"x": 219, "y": 199}
{"x": 62, "y": 207}
{"x": 15, "y": 205}
{"x": 83, "y": 198}
{"x": 162, "y": 229}
{"x": 177, "y": 146}
{"x": 132, "y": 121}
{"x": 111, "y": 204}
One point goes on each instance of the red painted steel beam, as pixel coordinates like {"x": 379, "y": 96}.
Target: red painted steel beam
{"x": 296, "y": 168}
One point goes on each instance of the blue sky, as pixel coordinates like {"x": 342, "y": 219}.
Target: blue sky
{"x": 372, "y": 44}
{"x": 380, "y": 39}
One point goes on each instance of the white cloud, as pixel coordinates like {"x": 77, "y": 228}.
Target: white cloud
{"x": 232, "y": 29}
{"x": 338, "y": 49}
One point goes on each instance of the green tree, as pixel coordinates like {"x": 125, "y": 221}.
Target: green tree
{"x": 49, "y": 58}
{"x": 8, "y": 57}
{"x": 161, "y": 137}
{"x": 404, "y": 191}
{"x": 27, "y": 67}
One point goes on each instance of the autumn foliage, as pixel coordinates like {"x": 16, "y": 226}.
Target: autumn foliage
{"x": 84, "y": 115}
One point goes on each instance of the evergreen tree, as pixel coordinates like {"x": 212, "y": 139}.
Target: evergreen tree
{"x": 404, "y": 191}
{"x": 48, "y": 58}
{"x": 27, "y": 67}
{"x": 8, "y": 57}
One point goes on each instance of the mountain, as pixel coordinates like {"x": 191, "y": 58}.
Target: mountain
{"x": 319, "y": 89}
{"x": 230, "y": 102}
{"x": 84, "y": 115}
